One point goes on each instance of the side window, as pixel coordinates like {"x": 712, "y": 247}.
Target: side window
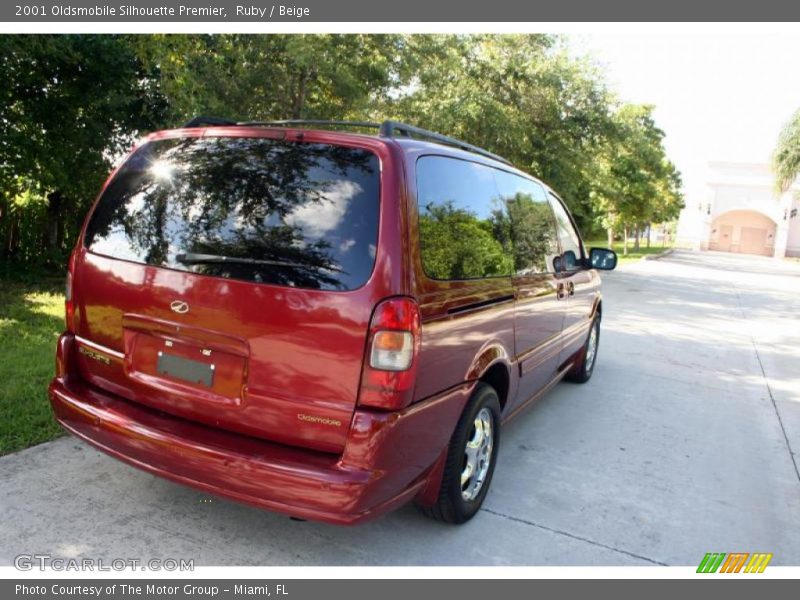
{"x": 526, "y": 225}
{"x": 571, "y": 247}
{"x": 457, "y": 202}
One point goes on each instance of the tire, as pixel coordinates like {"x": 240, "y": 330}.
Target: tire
{"x": 587, "y": 356}
{"x": 457, "y": 502}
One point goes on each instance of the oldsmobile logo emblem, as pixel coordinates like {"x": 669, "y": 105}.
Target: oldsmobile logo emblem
{"x": 319, "y": 420}
{"x": 94, "y": 355}
{"x": 179, "y": 306}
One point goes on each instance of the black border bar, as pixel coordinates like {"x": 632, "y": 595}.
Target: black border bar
{"x": 439, "y": 11}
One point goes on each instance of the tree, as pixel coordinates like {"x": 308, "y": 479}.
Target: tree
{"x": 267, "y": 77}
{"x": 668, "y": 201}
{"x": 786, "y": 157}
{"x": 68, "y": 107}
{"x": 520, "y": 96}
{"x": 636, "y": 184}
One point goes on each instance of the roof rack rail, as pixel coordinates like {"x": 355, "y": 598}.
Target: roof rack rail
{"x": 289, "y": 122}
{"x": 389, "y": 129}
{"x": 208, "y": 122}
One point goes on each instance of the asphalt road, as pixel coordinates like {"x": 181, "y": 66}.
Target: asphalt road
{"x": 679, "y": 445}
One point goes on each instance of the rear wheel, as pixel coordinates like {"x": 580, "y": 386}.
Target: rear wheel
{"x": 582, "y": 371}
{"x": 471, "y": 458}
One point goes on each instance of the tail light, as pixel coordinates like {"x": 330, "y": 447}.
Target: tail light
{"x": 391, "y": 361}
{"x": 69, "y": 307}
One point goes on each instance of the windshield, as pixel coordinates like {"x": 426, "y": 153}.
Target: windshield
{"x": 257, "y": 209}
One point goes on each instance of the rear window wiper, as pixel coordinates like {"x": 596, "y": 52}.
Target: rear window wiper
{"x": 191, "y": 258}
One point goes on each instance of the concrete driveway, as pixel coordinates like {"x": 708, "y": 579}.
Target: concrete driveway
{"x": 679, "y": 445}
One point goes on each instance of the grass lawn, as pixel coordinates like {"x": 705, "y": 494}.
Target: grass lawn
{"x": 655, "y": 248}
{"x": 31, "y": 318}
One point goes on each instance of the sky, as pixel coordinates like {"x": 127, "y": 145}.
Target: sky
{"x": 717, "y": 96}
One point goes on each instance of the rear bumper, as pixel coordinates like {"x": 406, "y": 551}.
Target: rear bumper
{"x": 387, "y": 460}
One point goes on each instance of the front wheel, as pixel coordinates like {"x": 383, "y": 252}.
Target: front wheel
{"x": 581, "y": 372}
{"x": 471, "y": 458}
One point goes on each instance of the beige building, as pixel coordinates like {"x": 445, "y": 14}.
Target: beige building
{"x": 742, "y": 213}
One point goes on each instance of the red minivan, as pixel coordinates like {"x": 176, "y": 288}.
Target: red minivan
{"x": 318, "y": 322}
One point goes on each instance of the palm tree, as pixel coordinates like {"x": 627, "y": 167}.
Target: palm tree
{"x": 786, "y": 157}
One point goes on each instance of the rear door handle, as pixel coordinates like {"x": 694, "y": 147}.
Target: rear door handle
{"x": 571, "y": 287}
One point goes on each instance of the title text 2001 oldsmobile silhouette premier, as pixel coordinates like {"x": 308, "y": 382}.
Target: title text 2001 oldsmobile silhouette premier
{"x": 321, "y": 322}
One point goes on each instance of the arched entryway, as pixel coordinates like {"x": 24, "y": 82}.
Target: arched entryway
{"x": 744, "y": 231}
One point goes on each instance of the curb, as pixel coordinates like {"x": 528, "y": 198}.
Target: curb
{"x": 666, "y": 252}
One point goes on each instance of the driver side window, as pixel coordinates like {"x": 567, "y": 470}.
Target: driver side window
{"x": 571, "y": 246}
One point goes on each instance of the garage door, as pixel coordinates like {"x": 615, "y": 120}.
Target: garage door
{"x": 753, "y": 241}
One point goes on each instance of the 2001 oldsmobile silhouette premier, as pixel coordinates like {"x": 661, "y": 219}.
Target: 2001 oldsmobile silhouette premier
{"x": 322, "y": 323}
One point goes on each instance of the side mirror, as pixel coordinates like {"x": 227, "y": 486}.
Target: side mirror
{"x": 603, "y": 259}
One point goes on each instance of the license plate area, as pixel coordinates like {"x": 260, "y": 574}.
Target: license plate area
{"x": 185, "y": 369}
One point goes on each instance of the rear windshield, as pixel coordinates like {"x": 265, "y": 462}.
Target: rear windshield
{"x": 256, "y": 209}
